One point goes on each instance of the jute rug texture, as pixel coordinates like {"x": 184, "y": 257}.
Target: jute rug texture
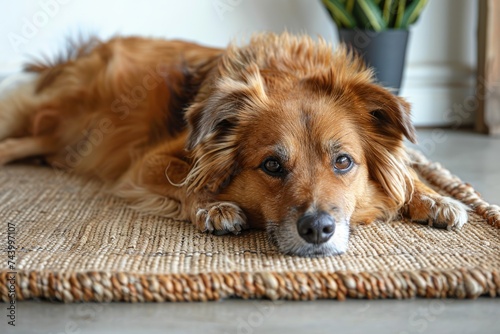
{"x": 73, "y": 242}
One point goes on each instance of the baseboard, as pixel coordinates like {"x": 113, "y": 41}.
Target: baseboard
{"x": 440, "y": 94}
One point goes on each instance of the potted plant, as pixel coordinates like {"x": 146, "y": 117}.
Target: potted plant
{"x": 378, "y": 31}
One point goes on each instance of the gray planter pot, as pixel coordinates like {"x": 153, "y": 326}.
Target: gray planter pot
{"x": 385, "y": 51}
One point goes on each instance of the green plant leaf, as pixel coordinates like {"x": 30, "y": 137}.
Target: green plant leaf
{"x": 400, "y": 13}
{"x": 349, "y": 5}
{"x": 413, "y": 12}
{"x": 339, "y": 13}
{"x": 369, "y": 15}
{"x": 388, "y": 10}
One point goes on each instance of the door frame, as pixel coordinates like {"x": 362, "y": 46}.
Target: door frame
{"x": 488, "y": 70}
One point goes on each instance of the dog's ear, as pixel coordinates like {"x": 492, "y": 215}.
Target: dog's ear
{"x": 214, "y": 122}
{"x": 222, "y": 107}
{"x": 387, "y": 119}
{"x": 389, "y": 114}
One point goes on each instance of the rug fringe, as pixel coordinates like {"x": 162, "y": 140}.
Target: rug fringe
{"x": 106, "y": 287}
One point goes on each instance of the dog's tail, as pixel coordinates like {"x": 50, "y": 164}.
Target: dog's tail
{"x": 21, "y": 101}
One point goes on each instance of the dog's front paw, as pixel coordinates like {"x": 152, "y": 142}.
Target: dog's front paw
{"x": 220, "y": 218}
{"x": 438, "y": 211}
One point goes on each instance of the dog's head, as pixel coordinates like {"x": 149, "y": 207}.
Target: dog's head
{"x": 302, "y": 140}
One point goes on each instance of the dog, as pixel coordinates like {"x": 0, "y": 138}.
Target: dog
{"x": 284, "y": 134}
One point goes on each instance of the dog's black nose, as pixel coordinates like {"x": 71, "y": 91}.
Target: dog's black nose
{"x": 316, "y": 228}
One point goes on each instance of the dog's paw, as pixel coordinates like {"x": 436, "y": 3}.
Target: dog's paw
{"x": 221, "y": 218}
{"x": 438, "y": 211}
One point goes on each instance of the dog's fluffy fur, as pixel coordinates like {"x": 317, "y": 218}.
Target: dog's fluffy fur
{"x": 256, "y": 136}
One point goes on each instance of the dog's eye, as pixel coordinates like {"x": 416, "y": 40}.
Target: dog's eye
{"x": 272, "y": 167}
{"x": 343, "y": 164}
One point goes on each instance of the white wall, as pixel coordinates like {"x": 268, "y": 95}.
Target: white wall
{"x": 441, "y": 64}
{"x": 441, "y": 54}
{"x": 213, "y": 22}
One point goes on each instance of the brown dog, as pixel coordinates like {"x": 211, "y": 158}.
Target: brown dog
{"x": 282, "y": 134}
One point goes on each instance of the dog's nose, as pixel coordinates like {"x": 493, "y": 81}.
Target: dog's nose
{"x": 316, "y": 228}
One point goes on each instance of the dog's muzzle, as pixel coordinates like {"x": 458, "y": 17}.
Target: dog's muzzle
{"x": 316, "y": 228}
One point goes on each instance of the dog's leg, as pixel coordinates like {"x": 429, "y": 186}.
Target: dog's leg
{"x": 428, "y": 207}
{"x": 11, "y": 119}
{"x": 155, "y": 185}
{"x": 17, "y": 148}
{"x": 147, "y": 189}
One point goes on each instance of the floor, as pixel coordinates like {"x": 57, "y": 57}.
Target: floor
{"x": 474, "y": 158}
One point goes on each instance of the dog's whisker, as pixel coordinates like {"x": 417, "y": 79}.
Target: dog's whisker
{"x": 180, "y": 184}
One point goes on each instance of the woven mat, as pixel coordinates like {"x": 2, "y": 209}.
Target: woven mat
{"x": 75, "y": 243}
